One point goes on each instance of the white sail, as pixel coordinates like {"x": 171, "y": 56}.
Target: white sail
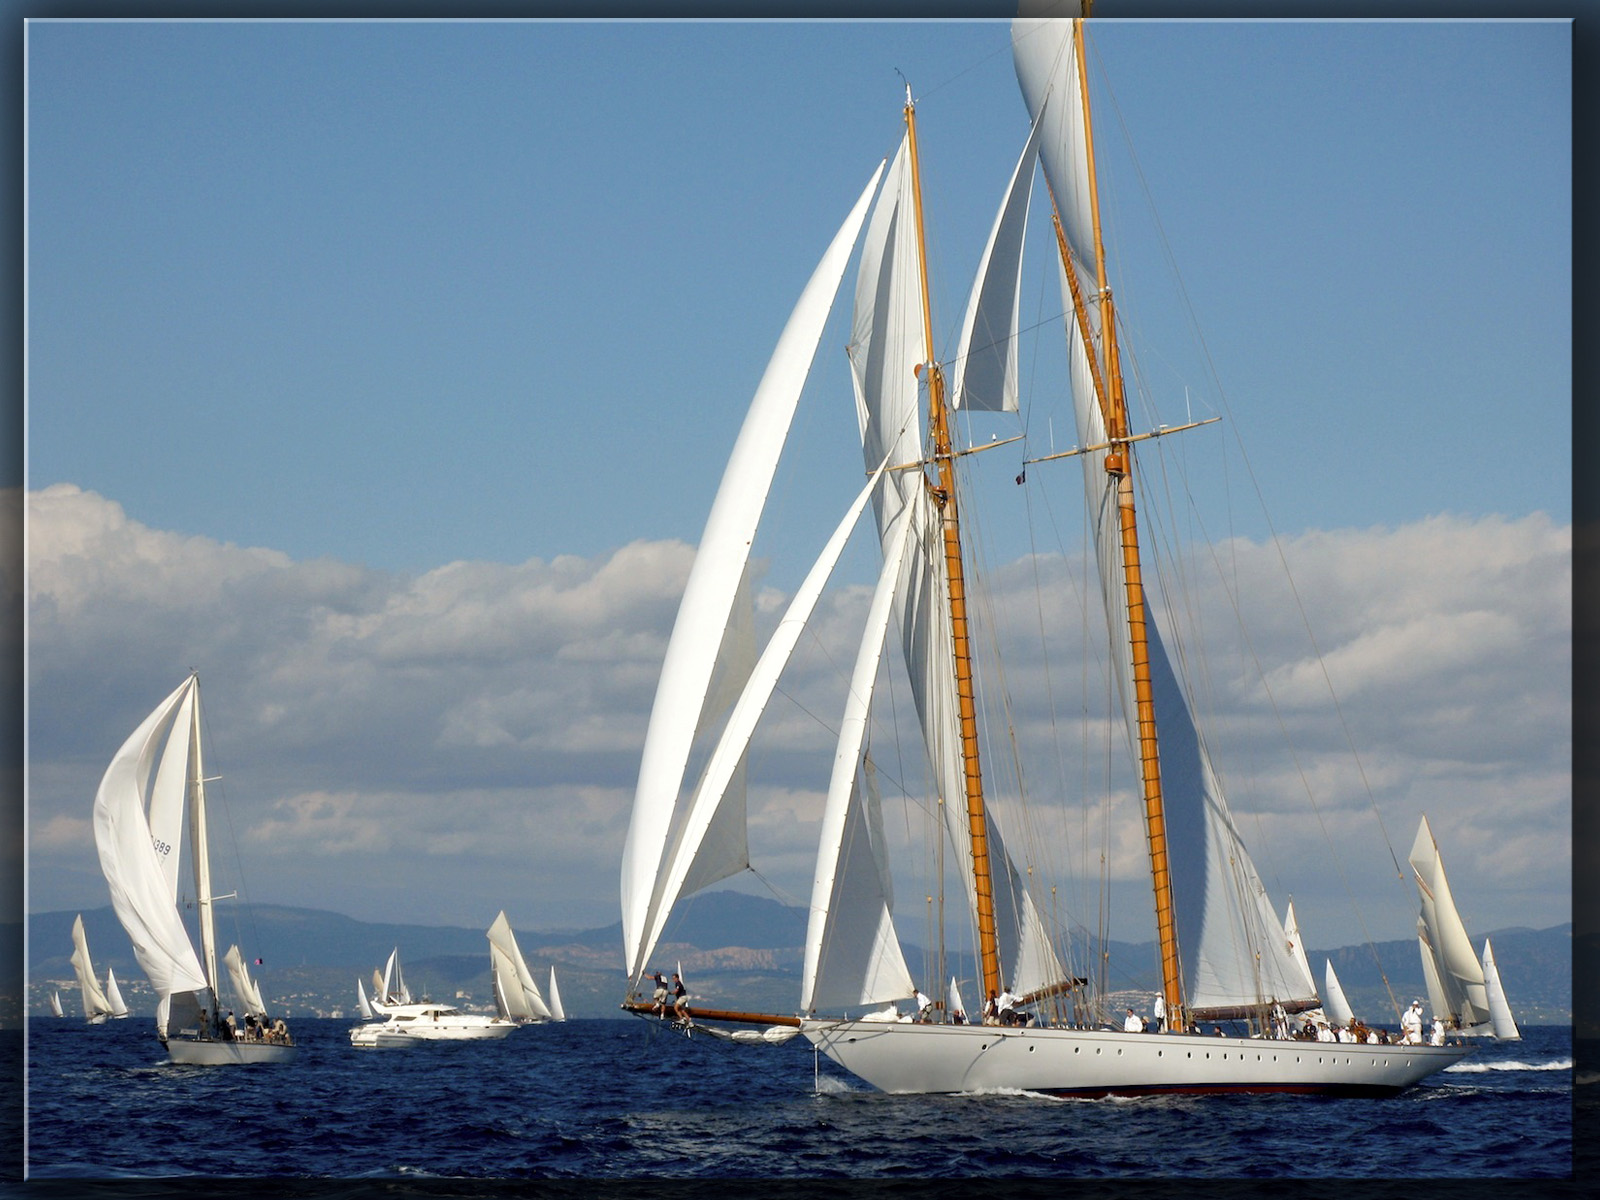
{"x": 719, "y": 566}
{"x": 1500, "y": 1018}
{"x": 133, "y": 863}
{"x": 682, "y": 873}
{"x": 1233, "y": 949}
{"x": 55, "y": 1005}
{"x": 853, "y": 957}
{"x": 363, "y": 1005}
{"x": 953, "y": 999}
{"x": 244, "y": 988}
{"x": 96, "y": 1006}
{"x": 169, "y": 793}
{"x": 985, "y": 368}
{"x": 1297, "y": 949}
{"x": 518, "y": 994}
{"x": 1463, "y": 1000}
{"x": 1438, "y": 1000}
{"x": 557, "y": 1013}
{"x": 119, "y": 1006}
{"x": 1333, "y": 999}
{"x": 889, "y": 376}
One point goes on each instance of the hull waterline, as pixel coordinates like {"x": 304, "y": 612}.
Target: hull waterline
{"x": 216, "y": 1054}
{"x": 912, "y": 1058}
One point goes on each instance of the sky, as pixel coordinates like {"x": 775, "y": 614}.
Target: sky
{"x": 384, "y": 373}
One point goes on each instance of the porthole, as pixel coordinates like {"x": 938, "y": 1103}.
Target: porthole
{"x": 1119, "y": 1051}
{"x": 1077, "y": 1049}
{"x": 1031, "y": 1049}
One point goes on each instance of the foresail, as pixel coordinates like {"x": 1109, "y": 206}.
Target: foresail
{"x": 169, "y": 794}
{"x": 682, "y": 871}
{"x": 853, "y": 956}
{"x": 363, "y": 1005}
{"x": 133, "y": 865}
{"x": 985, "y": 374}
{"x": 708, "y": 594}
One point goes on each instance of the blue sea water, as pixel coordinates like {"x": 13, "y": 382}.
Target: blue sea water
{"x": 628, "y": 1099}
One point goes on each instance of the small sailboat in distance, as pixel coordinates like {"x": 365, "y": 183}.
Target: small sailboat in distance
{"x": 151, "y": 793}
{"x": 1464, "y": 991}
{"x": 55, "y": 1005}
{"x": 516, "y": 995}
{"x": 96, "y": 1004}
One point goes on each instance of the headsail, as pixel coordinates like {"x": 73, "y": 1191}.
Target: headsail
{"x": 1457, "y": 973}
{"x": 249, "y": 997}
{"x": 1333, "y": 999}
{"x": 119, "y": 1006}
{"x": 719, "y": 566}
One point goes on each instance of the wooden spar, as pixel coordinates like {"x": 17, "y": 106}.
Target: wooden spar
{"x": 646, "y": 1008}
{"x": 944, "y": 496}
{"x": 1119, "y": 464}
{"x": 1138, "y": 437}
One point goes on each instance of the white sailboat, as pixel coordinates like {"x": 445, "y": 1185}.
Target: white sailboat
{"x": 1463, "y": 991}
{"x": 686, "y": 830}
{"x": 516, "y": 995}
{"x": 96, "y": 1004}
{"x": 153, "y": 789}
{"x": 55, "y": 1005}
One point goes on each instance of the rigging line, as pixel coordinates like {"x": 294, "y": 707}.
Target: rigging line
{"x": 1250, "y": 473}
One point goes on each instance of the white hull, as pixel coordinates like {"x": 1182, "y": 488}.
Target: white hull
{"x": 906, "y": 1057}
{"x": 216, "y": 1054}
{"x": 385, "y": 1036}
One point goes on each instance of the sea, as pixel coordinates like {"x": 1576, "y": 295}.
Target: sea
{"x": 630, "y": 1099}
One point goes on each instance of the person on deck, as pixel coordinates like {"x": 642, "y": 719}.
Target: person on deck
{"x": 1132, "y": 1023}
{"x": 659, "y": 998}
{"x": 1159, "y": 1011}
{"x": 680, "y": 999}
{"x": 1411, "y": 1024}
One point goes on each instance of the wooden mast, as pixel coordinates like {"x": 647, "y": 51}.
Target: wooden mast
{"x": 943, "y": 493}
{"x": 1119, "y": 465}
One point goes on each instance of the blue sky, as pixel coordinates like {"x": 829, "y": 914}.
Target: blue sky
{"x": 423, "y": 337}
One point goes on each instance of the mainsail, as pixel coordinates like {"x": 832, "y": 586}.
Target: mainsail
{"x": 1230, "y": 948}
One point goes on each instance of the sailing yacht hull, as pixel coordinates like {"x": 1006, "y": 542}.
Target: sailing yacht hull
{"x": 219, "y": 1054}
{"x": 913, "y": 1058}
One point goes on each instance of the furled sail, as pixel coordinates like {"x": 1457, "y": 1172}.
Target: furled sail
{"x": 719, "y": 565}
{"x": 886, "y": 354}
{"x": 95, "y": 1002}
{"x": 1234, "y": 953}
{"x": 985, "y": 368}
{"x": 1462, "y": 997}
{"x": 133, "y": 864}
{"x": 517, "y": 993}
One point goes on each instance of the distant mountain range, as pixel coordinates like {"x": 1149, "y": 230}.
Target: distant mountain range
{"x": 733, "y": 948}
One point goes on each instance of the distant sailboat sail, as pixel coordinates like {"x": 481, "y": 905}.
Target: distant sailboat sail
{"x": 557, "y": 1013}
{"x": 96, "y": 1005}
{"x": 1500, "y": 1018}
{"x": 1457, "y": 988}
{"x": 516, "y": 994}
{"x": 119, "y": 1006}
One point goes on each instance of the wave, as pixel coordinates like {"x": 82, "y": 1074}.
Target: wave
{"x": 1470, "y": 1068}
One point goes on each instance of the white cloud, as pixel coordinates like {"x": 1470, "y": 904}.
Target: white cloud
{"x": 437, "y": 747}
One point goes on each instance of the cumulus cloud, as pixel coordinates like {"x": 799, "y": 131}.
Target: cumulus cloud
{"x": 435, "y": 747}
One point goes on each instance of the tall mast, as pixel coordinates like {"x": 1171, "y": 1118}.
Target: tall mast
{"x": 1119, "y": 465}
{"x": 201, "y": 853}
{"x": 943, "y": 494}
